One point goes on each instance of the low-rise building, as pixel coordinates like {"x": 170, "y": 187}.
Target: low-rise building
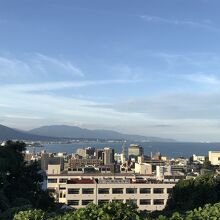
{"x": 214, "y": 157}
{"x": 147, "y": 196}
{"x": 143, "y": 168}
{"x": 77, "y": 190}
{"x": 199, "y": 159}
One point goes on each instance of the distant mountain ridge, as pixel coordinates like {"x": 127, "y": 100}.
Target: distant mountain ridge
{"x": 66, "y": 131}
{"x": 7, "y": 133}
{"x": 62, "y": 132}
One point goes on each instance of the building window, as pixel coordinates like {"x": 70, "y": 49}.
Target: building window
{"x": 131, "y": 191}
{"x": 103, "y": 191}
{"x": 145, "y": 202}
{"x": 73, "y": 191}
{"x": 62, "y": 188}
{"x": 86, "y": 202}
{"x": 73, "y": 202}
{"x": 158, "y": 190}
{"x": 62, "y": 180}
{"x": 145, "y": 190}
{"x": 88, "y": 191}
{"x": 117, "y": 191}
{"x": 103, "y": 201}
{"x": 158, "y": 202}
{"x": 52, "y": 180}
{"x": 131, "y": 201}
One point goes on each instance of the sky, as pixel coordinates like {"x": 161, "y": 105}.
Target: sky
{"x": 148, "y": 67}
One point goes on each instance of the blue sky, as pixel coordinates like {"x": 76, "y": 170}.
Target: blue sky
{"x": 142, "y": 67}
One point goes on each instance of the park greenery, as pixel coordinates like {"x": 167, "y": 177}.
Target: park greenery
{"x": 21, "y": 196}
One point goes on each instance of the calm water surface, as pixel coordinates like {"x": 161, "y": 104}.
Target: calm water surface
{"x": 173, "y": 149}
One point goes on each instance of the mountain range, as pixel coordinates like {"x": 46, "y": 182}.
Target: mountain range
{"x": 7, "y": 133}
{"x": 57, "y": 132}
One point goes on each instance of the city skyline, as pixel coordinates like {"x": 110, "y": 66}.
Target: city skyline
{"x": 137, "y": 67}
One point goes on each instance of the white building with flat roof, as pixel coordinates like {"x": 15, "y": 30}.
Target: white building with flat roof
{"x": 214, "y": 157}
{"x": 77, "y": 190}
{"x": 143, "y": 168}
{"x": 147, "y": 196}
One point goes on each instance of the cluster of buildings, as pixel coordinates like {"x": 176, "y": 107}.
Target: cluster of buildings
{"x": 101, "y": 175}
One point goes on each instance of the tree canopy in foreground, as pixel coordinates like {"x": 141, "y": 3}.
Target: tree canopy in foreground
{"x": 120, "y": 211}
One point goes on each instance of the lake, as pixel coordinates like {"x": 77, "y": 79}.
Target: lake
{"x": 172, "y": 149}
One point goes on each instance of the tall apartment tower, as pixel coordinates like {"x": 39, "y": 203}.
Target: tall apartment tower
{"x": 108, "y": 156}
{"x": 124, "y": 153}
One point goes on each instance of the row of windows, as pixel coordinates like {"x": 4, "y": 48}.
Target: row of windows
{"x": 103, "y": 201}
{"x": 117, "y": 191}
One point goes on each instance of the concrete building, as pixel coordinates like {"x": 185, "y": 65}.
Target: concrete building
{"x": 156, "y": 156}
{"x": 214, "y": 157}
{"x": 99, "y": 154}
{"x": 86, "y": 152}
{"x": 118, "y": 157}
{"x": 75, "y": 163}
{"x": 143, "y": 168}
{"x": 199, "y": 159}
{"x": 54, "y": 169}
{"x": 47, "y": 159}
{"x": 161, "y": 171}
{"x": 147, "y": 196}
{"x": 135, "y": 150}
{"x": 77, "y": 190}
{"x": 108, "y": 156}
{"x": 81, "y": 152}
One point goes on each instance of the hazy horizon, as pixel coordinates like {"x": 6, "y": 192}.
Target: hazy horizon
{"x": 138, "y": 67}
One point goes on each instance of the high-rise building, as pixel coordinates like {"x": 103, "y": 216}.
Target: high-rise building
{"x": 135, "y": 150}
{"x": 124, "y": 153}
{"x": 108, "y": 156}
{"x": 99, "y": 154}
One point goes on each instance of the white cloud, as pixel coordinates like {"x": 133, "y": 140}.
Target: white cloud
{"x": 36, "y": 67}
{"x": 49, "y": 86}
{"x": 202, "y": 78}
{"x": 156, "y": 19}
{"x": 18, "y": 116}
{"x": 181, "y": 116}
{"x": 67, "y": 66}
{"x": 175, "y": 106}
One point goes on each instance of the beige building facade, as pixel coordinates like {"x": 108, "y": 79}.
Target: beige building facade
{"x": 214, "y": 157}
{"x": 77, "y": 190}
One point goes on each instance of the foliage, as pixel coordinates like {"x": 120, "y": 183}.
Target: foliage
{"x": 19, "y": 182}
{"x": 109, "y": 211}
{"x": 10, "y": 212}
{"x": 31, "y": 215}
{"x": 120, "y": 211}
{"x": 194, "y": 193}
{"x": 209, "y": 211}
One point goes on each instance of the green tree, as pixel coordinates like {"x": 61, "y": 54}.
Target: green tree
{"x": 19, "y": 182}
{"x": 194, "y": 193}
{"x": 109, "y": 211}
{"x": 31, "y": 215}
